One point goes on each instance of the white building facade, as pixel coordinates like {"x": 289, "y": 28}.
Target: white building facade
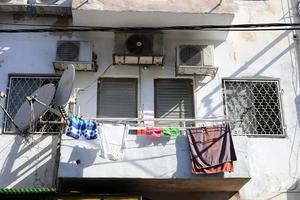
{"x": 256, "y": 82}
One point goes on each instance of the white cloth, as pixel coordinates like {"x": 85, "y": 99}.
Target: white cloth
{"x": 113, "y": 140}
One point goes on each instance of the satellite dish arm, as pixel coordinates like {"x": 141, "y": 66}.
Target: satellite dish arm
{"x": 34, "y": 99}
{"x": 10, "y": 118}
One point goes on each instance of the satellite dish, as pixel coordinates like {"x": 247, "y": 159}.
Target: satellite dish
{"x": 44, "y": 94}
{"x": 65, "y": 87}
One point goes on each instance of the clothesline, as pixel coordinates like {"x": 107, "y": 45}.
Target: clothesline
{"x": 162, "y": 119}
{"x": 181, "y": 128}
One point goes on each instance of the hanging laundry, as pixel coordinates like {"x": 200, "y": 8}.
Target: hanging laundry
{"x": 89, "y": 130}
{"x": 153, "y": 133}
{"x": 74, "y": 127}
{"x": 113, "y": 141}
{"x": 171, "y": 132}
{"x": 141, "y": 132}
{"x": 77, "y": 127}
{"x": 211, "y": 149}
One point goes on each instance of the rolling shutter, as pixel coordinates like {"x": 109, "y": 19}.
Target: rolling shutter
{"x": 117, "y": 97}
{"x": 174, "y": 98}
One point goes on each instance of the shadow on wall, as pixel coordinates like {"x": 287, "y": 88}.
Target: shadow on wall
{"x": 28, "y": 165}
{"x": 144, "y": 141}
{"x": 184, "y": 166}
{"x": 79, "y": 161}
{"x": 293, "y": 192}
{"x": 190, "y": 195}
{"x": 208, "y": 99}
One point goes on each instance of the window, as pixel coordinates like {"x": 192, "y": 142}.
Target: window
{"x": 21, "y": 86}
{"x": 257, "y": 103}
{"x": 174, "y": 98}
{"x": 117, "y": 97}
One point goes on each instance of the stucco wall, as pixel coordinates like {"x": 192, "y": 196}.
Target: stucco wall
{"x": 273, "y": 162}
{"x": 193, "y": 6}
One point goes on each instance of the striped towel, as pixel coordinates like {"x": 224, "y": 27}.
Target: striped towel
{"x": 77, "y": 127}
{"x": 74, "y": 127}
{"x": 89, "y": 129}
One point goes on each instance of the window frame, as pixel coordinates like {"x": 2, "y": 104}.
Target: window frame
{"x": 172, "y": 78}
{"x": 258, "y": 79}
{"x": 124, "y": 78}
{"x": 9, "y": 82}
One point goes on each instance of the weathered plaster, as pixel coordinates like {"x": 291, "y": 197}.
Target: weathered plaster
{"x": 189, "y": 6}
{"x": 272, "y": 162}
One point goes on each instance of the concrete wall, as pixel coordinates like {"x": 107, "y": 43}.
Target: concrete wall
{"x": 192, "y": 6}
{"x": 273, "y": 162}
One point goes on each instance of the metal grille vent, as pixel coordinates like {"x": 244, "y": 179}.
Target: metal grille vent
{"x": 140, "y": 44}
{"x": 46, "y": 1}
{"x": 19, "y": 88}
{"x": 5, "y": 1}
{"x": 190, "y": 55}
{"x": 256, "y": 103}
{"x": 67, "y": 51}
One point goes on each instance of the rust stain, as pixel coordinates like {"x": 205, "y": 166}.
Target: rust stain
{"x": 248, "y": 36}
{"x": 18, "y": 17}
{"x": 270, "y": 8}
{"x": 62, "y": 21}
{"x": 234, "y": 56}
{"x": 66, "y": 83}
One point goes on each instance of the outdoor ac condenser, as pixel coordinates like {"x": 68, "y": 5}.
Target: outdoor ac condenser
{"x": 195, "y": 60}
{"x": 79, "y": 53}
{"x": 138, "y": 48}
{"x": 13, "y": 5}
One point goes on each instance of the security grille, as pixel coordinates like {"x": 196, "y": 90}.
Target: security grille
{"x": 19, "y": 88}
{"x": 256, "y": 103}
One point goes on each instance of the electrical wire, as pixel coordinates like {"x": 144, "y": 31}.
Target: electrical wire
{"x": 236, "y": 27}
{"x": 257, "y": 25}
{"x": 92, "y": 83}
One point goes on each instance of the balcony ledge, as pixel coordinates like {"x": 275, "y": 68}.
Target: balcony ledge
{"x": 165, "y": 163}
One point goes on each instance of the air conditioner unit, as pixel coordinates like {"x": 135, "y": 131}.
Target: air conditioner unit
{"x": 13, "y": 5}
{"x": 79, "y": 53}
{"x": 138, "y": 49}
{"x": 15, "y": 2}
{"x": 51, "y": 7}
{"x": 195, "y": 60}
{"x": 61, "y": 3}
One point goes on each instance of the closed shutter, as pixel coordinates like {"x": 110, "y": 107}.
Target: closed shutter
{"x": 117, "y": 97}
{"x": 174, "y": 98}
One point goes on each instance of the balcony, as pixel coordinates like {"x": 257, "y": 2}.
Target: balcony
{"x": 162, "y": 165}
{"x": 134, "y": 13}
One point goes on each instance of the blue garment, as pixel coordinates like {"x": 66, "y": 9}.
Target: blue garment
{"x": 90, "y": 131}
{"x": 78, "y": 127}
{"x": 74, "y": 127}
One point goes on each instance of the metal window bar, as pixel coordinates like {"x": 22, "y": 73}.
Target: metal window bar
{"x": 257, "y": 103}
{"x": 19, "y": 87}
{"x": 138, "y": 121}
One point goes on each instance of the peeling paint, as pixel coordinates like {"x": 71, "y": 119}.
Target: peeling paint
{"x": 248, "y": 36}
{"x": 62, "y": 21}
{"x": 234, "y": 56}
{"x": 270, "y": 8}
{"x": 18, "y": 17}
